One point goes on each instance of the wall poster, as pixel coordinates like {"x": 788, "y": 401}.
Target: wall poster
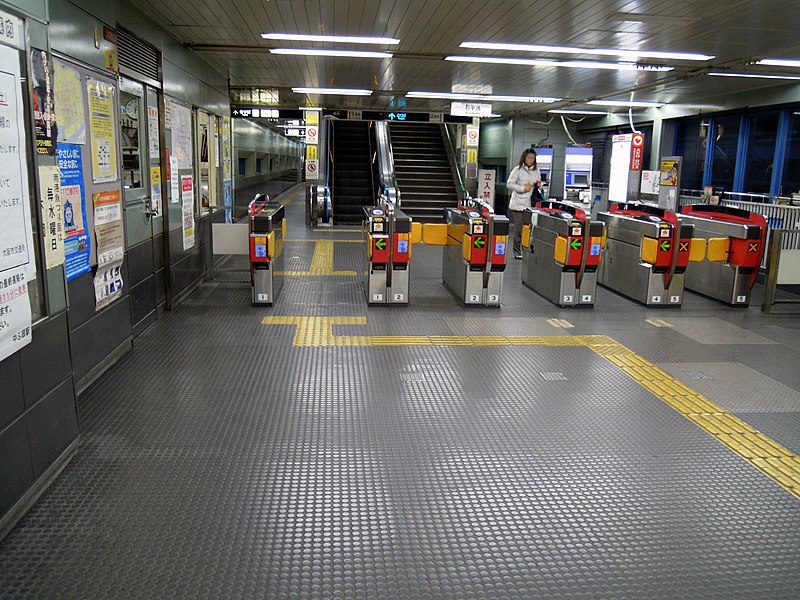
{"x": 73, "y": 197}
{"x": 70, "y": 105}
{"x": 17, "y": 259}
{"x": 44, "y": 114}
{"x": 187, "y": 211}
{"x": 103, "y": 131}
{"x": 52, "y": 217}
{"x": 110, "y": 235}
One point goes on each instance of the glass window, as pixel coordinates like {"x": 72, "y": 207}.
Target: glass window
{"x": 242, "y": 167}
{"x": 690, "y": 143}
{"x": 791, "y": 174}
{"x": 726, "y": 141}
{"x": 129, "y": 111}
{"x": 761, "y": 152}
{"x": 258, "y": 165}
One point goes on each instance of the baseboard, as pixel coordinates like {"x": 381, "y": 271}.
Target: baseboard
{"x": 15, "y": 514}
{"x": 88, "y": 379}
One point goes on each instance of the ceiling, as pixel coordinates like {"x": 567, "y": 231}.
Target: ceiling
{"x": 227, "y": 33}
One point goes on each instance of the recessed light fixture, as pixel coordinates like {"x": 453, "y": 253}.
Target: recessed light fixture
{"x": 324, "y": 52}
{"x": 620, "y": 52}
{"x": 567, "y": 111}
{"x": 292, "y": 37}
{"x": 756, "y": 75}
{"x": 331, "y": 91}
{"x": 480, "y": 97}
{"x": 543, "y": 62}
{"x": 780, "y": 62}
{"x": 627, "y": 104}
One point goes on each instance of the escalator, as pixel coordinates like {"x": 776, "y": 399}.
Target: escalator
{"x": 423, "y": 170}
{"x": 351, "y": 172}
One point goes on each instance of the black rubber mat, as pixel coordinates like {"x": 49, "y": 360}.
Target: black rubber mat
{"x": 220, "y": 461}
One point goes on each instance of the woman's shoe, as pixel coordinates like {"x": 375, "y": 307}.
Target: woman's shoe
{"x": 518, "y": 255}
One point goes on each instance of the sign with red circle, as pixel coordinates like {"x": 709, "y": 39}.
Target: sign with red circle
{"x": 637, "y": 151}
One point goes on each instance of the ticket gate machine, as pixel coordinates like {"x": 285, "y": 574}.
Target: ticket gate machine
{"x": 267, "y": 232}
{"x": 387, "y": 233}
{"x": 561, "y": 252}
{"x": 647, "y": 252}
{"x": 735, "y": 241}
{"x": 475, "y": 253}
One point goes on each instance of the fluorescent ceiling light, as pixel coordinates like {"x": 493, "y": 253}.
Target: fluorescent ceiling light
{"x": 622, "y": 53}
{"x": 323, "y": 52}
{"x": 755, "y": 75}
{"x": 495, "y": 115}
{"x": 329, "y": 38}
{"x": 479, "y": 97}
{"x": 626, "y": 104}
{"x": 331, "y": 91}
{"x": 567, "y": 111}
{"x": 543, "y": 62}
{"x": 779, "y": 62}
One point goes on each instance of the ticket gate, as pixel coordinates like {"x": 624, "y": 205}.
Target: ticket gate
{"x": 387, "y": 233}
{"x": 561, "y": 252}
{"x": 475, "y": 253}
{"x": 647, "y": 252}
{"x": 267, "y": 232}
{"x": 735, "y": 242}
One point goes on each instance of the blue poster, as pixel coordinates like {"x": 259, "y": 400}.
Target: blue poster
{"x": 76, "y": 234}
{"x": 228, "y": 200}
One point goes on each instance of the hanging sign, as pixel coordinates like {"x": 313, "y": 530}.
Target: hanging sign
{"x": 312, "y": 134}
{"x": 103, "y": 131}
{"x": 44, "y": 113}
{"x": 486, "y": 185}
{"x": 470, "y": 109}
{"x": 637, "y": 150}
{"x": 76, "y": 234}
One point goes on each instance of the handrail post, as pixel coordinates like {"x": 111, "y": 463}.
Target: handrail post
{"x": 771, "y": 281}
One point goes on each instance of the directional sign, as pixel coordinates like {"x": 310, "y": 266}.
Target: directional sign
{"x": 665, "y": 245}
{"x": 479, "y": 242}
{"x": 380, "y": 244}
{"x": 576, "y": 244}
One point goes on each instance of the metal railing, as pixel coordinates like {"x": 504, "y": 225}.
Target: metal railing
{"x": 454, "y": 164}
{"x": 783, "y": 266}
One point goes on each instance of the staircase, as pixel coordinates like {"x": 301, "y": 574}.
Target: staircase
{"x": 422, "y": 170}
{"x": 352, "y": 186}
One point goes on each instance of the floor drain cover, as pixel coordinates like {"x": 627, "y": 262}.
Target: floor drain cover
{"x": 553, "y": 376}
{"x": 412, "y": 376}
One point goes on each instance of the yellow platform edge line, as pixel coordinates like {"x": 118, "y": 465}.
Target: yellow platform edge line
{"x": 763, "y": 453}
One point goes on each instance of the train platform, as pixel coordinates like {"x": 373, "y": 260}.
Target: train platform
{"x": 322, "y": 449}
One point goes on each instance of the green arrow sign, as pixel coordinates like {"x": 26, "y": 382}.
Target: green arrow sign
{"x": 665, "y": 246}
{"x": 380, "y": 244}
{"x": 479, "y": 242}
{"x": 576, "y": 244}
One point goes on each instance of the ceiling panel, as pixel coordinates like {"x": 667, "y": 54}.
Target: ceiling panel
{"x": 227, "y": 34}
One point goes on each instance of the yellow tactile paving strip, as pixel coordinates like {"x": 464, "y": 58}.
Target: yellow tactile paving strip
{"x": 766, "y": 455}
{"x": 321, "y": 262}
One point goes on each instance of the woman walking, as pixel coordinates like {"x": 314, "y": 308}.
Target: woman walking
{"x": 524, "y": 177}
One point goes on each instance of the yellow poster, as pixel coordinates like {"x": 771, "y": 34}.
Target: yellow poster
{"x": 312, "y": 117}
{"x": 69, "y": 105}
{"x": 472, "y": 155}
{"x": 311, "y": 152}
{"x": 669, "y": 173}
{"x": 102, "y": 131}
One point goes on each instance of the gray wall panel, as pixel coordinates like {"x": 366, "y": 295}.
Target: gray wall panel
{"x": 52, "y": 426}
{"x": 140, "y": 262}
{"x": 93, "y": 341}
{"x": 12, "y": 401}
{"x": 143, "y": 299}
{"x": 16, "y": 473}
{"x": 35, "y": 8}
{"x": 45, "y": 361}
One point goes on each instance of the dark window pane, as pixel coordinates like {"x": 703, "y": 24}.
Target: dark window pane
{"x": 690, "y": 143}
{"x": 723, "y": 165}
{"x": 761, "y": 152}
{"x": 791, "y": 175}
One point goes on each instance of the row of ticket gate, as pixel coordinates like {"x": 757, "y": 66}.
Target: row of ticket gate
{"x": 638, "y": 250}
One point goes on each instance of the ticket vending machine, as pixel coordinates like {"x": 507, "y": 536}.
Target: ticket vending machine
{"x": 267, "y": 232}
{"x": 544, "y": 161}
{"x": 578, "y": 175}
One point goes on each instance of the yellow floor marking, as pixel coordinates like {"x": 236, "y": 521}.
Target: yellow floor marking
{"x": 321, "y": 263}
{"x": 658, "y": 322}
{"x": 763, "y": 453}
{"x": 563, "y": 323}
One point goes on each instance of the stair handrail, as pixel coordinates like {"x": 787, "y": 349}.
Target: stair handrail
{"x": 387, "y": 177}
{"x": 454, "y": 168}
